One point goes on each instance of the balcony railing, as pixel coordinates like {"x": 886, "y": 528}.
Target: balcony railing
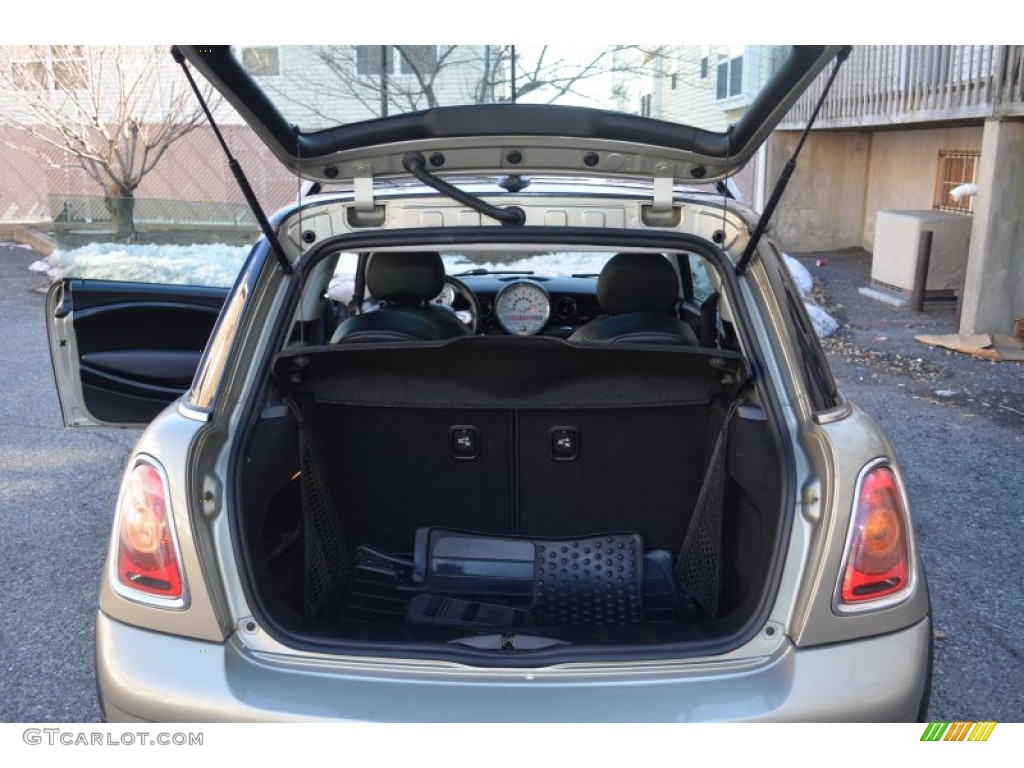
{"x": 898, "y": 84}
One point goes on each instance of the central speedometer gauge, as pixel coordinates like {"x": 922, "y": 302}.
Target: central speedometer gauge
{"x": 522, "y": 308}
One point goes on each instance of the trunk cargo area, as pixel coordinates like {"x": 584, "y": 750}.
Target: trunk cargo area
{"x": 510, "y": 494}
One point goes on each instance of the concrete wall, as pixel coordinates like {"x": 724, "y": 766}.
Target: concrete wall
{"x": 994, "y": 286}
{"x": 902, "y": 170}
{"x": 823, "y": 207}
{"x": 844, "y": 178}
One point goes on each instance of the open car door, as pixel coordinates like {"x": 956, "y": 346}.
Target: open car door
{"x": 122, "y": 352}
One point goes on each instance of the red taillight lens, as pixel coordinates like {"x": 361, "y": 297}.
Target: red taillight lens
{"x": 878, "y": 557}
{"x": 147, "y": 552}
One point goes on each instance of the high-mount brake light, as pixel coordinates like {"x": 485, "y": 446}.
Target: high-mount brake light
{"x": 877, "y": 567}
{"x": 146, "y": 555}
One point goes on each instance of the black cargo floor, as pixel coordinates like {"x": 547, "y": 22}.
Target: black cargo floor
{"x": 465, "y": 580}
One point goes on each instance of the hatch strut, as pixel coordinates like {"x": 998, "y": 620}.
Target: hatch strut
{"x": 236, "y": 171}
{"x": 787, "y": 170}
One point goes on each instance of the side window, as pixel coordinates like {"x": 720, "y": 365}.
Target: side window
{"x": 700, "y": 278}
{"x": 211, "y": 366}
{"x": 821, "y": 387}
{"x": 342, "y": 283}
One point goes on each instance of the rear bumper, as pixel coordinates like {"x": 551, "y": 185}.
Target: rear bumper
{"x": 143, "y": 675}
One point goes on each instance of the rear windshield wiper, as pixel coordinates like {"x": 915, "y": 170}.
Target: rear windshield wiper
{"x": 416, "y": 164}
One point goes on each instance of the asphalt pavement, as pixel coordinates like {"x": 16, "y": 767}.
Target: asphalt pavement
{"x": 57, "y": 493}
{"x": 957, "y": 424}
{"x": 962, "y": 454}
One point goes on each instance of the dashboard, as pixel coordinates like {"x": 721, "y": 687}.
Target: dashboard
{"x": 525, "y": 305}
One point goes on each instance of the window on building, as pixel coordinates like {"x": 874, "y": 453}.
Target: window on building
{"x": 704, "y": 68}
{"x": 645, "y": 105}
{"x": 262, "y": 61}
{"x": 30, "y": 75}
{"x": 374, "y": 59}
{"x": 730, "y": 77}
{"x": 70, "y": 70}
{"x": 418, "y": 59}
{"x": 674, "y": 80}
{"x": 956, "y": 168}
{"x": 63, "y": 67}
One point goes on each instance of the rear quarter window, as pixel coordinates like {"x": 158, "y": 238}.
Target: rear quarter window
{"x": 700, "y": 277}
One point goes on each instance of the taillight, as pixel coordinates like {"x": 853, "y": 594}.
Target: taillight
{"x": 878, "y": 558}
{"x": 146, "y": 558}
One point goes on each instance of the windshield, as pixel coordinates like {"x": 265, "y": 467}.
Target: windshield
{"x": 546, "y": 264}
{"x": 318, "y": 87}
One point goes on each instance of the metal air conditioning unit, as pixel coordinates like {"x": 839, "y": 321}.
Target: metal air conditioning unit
{"x": 897, "y": 234}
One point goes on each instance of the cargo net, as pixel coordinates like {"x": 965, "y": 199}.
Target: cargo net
{"x": 327, "y": 560}
{"x": 698, "y": 569}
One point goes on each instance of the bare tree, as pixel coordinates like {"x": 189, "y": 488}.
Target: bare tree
{"x": 356, "y": 82}
{"x": 114, "y": 111}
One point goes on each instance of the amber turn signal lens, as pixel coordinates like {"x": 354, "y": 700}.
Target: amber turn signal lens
{"x": 877, "y": 561}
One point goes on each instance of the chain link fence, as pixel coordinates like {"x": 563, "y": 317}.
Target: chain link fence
{"x": 190, "y": 196}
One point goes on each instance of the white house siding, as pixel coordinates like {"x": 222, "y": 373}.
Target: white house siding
{"x": 694, "y": 99}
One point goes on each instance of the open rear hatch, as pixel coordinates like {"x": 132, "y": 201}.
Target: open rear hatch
{"x": 331, "y": 115}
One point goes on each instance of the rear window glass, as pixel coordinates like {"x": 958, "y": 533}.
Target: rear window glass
{"x": 321, "y": 86}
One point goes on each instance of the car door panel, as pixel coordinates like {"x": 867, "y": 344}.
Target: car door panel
{"x": 123, "y": 351}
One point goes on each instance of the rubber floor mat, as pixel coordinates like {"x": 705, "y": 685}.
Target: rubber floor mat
{"x": 473, "y": 581}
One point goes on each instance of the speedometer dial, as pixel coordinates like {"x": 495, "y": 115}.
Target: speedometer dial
{"x": 522, "y": 308}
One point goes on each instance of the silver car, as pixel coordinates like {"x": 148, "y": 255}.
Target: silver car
{"x": 515, "y": 416}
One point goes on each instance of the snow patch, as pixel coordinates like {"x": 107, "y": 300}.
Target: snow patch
{"x": 200, "y": 264}
{"x": 802, "y": 278}
{"x": 552, "y": 264}
{"x": 824, "y": 324}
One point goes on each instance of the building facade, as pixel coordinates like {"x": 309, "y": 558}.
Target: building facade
{"x": 903, "y": 127}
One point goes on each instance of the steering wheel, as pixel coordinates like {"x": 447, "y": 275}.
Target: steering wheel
{"x": 474, "y": 303}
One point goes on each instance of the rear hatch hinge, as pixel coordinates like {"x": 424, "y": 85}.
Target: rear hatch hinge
{"x": 662, "y": 212}
{"x": 365, "y": 212}
{"x": 362, "y": 183}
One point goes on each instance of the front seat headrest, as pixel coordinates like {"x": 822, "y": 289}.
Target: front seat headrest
{"x": 638, "y": 282}
{"x": 405, "y": 277}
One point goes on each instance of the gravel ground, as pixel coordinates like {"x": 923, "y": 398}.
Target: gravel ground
{"x": 957, "y": 423}
{"x": 876, "y": 344}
